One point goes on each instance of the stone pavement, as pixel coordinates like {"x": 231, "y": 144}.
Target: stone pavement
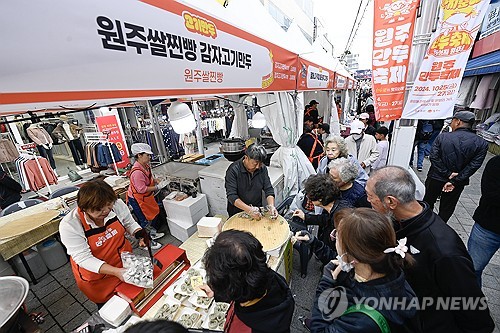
{"x": 305, "y": 289}
{"x": 66, "y": 307}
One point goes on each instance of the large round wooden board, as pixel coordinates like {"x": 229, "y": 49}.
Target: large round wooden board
{"x": 23, "y": 224}
{"x": 272, "y": 234}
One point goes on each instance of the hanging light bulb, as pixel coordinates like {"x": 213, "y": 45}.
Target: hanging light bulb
{"x": 181, "y": 118}
{"x": 258, "y": 120}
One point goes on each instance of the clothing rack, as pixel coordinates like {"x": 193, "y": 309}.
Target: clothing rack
{"x": 29, "y": 150}
{"x": 8, "y": 136}
{"x": 103, "y": 138}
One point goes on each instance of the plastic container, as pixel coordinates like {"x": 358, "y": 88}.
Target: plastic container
{"x": 52, "y": 253}
{"x": 5, "y": 269}
{"x": 115, "y": 311}
{"x": 35, "y": 262}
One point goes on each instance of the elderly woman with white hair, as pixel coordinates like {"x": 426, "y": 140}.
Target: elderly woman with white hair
{"x": 344, "y": 172}
{"x": 335, "y": 147}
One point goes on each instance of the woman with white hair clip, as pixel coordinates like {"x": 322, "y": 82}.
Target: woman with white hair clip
{"x": 344, "y": 172}
{"x": 335, "y": 147}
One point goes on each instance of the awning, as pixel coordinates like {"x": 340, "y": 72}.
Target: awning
{"x": 486, "y": 64}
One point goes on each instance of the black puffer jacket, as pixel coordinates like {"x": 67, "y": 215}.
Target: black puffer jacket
{"x": 10, "y": 190}
{"x": 460, "y": 151}
{"x": 331, "y": 295}
{"x": 443, "y": 270}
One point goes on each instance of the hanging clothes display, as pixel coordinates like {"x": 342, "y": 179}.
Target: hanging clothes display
{"x": 99, "y": 155}
{"x": 171, "y": 140}
{"x": 466, "y": 91}
{"x": 30, "y": 174}
{"x": 188, "y": 141}
{"x": 43, "y": 140}
{"x": 485, "y": 96}
{"x": 8, "y": 151}
{"x": 74, "y": 143}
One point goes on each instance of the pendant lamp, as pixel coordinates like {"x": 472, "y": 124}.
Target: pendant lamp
{"x": 181, "y": 118}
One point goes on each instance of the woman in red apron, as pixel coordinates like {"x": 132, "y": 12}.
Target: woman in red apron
{"x": 140, "y": 194}
{"x": 94, "y": 236}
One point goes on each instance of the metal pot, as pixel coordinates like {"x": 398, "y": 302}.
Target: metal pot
{"x": 233, "y": 145}
{"x": 13, "y": 292}
{"x": 234, "y": 156}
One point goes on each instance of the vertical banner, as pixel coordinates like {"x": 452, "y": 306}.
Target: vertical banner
{"x": 436, "y": 87}
{"x": 112, "y": 125}
{"x": 393, "y": 27}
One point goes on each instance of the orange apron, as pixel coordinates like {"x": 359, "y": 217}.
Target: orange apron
{"x": 146, "y": 201}
{"x": 106, "y": 243}
{"x": 311, "y": 156}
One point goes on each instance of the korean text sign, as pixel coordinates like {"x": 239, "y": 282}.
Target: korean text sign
{"x": 110, "y": 124}
{"x": 392, "y": 38}
{"x": 435, "y": 90}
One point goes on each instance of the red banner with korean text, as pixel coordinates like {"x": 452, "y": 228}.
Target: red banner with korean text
{"x": 111, "y": 125}
{"x": 435, "y": 90}
{"x": 393, "y": 27}
{"x": 314, "y": 77}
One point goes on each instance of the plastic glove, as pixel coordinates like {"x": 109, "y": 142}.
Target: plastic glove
{"x": 254, "y": 212}
{"x": 304, "y": 236}
{"x": 273, "y": 212}
{"x": 162, "y": 184}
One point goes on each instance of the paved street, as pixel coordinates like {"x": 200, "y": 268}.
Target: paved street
{"x": 66, "y": 307}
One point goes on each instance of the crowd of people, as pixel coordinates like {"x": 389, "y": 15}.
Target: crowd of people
{"x": 391, "y": 264}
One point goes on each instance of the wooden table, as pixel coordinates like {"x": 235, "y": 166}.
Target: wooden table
{"x": 17, "y": 245}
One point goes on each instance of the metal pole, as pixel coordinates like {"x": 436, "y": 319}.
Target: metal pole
{"x": 157, "y": 133}
{"x": 199, "y": 135}
{"x": 404, "y": 129}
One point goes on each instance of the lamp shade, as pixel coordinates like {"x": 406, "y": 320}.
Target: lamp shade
{"x": 258, "y": 120}
{"x": 181, "y": 118}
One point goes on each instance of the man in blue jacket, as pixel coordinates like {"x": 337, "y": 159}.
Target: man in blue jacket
{"x": 455, "y": 157}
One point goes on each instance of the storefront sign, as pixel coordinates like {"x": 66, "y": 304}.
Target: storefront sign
{"x": 350, "y": 84}
{"x": 313, "y": 77}
{"x": 436, "y": 87}
{"x": 130, "y": 50}
{"x": 340, "y": 82}
{"x": 111, "y": 125}
{"x": 392, "y": 37}
{"x": 491, "y": 22}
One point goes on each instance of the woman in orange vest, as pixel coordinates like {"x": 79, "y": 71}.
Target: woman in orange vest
{"x": 140, "y": 194}
{"x": 94, "y": 236}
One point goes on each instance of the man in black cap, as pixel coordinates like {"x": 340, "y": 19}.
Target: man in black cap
{"x": 455, "y": 157}
{"x": 312, "y": 111}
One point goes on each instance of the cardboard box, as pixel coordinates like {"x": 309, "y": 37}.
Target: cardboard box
{"x": 209, "y": 226}
{"x": 189, "y": 210}
{"x": 181, "y": 230}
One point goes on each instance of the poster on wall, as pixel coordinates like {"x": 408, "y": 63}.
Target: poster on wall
{"x": 435, "y": 90}
{"x": 129, "y": 50}
{"x": 314, "y": 77}
{"x": 111, "y": 125}
{"x": 393, "y": 27}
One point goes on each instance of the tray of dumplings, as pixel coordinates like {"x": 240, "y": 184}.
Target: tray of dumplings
{"x": 169, "y": 309}
{"x": 216, "y": 317}
{"x": 188, "y": 282}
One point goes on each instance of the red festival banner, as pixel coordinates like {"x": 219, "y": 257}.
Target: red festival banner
{"x": 313, "y": 77}
{"x": 110, "y": 124}
{"x": 393, "y": 27}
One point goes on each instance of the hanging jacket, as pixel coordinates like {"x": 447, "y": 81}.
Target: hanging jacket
{"x": 10, "y": 190}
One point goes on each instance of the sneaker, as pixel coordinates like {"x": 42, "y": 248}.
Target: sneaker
{"x": 419, "y": 169}
{"x": 156, "y": 235}
{"x": 154, "y": 246}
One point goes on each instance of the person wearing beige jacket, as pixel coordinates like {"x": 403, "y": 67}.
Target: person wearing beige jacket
{"x": 362, "y": 147}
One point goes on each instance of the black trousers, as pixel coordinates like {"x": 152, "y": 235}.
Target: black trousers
{"x": 449, "y": 200}
{"x": 47, "y": 153}
{"x": 77, "y": 151}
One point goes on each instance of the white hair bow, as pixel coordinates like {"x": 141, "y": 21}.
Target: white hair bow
{"x": 401, "y": 248}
